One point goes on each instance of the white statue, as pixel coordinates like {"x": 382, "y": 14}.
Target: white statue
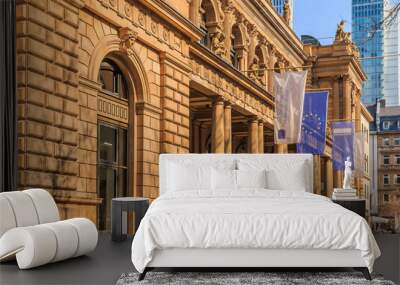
{"x": 347, "y": 174}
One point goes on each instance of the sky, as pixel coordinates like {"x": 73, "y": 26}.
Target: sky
{"x": 319, "y": 18}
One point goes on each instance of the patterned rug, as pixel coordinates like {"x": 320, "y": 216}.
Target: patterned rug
{"x": 244, "y": 278}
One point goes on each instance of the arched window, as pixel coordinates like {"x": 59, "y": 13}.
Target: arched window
{"x": 233, "y": 52}
{"x": 112, "y": 136}
{"x": 236, "y": 44}
{"x": 112, "y": 79}
{"x": 277, "y": 67}
{"x": 260, "y": 56}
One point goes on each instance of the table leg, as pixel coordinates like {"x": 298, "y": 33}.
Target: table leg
{"x": 116, "y": 222}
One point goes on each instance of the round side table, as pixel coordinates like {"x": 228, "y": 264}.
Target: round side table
{"x": 119, "y": 212}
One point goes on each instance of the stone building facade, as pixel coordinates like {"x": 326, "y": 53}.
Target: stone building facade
{"x": 386, "y": 133}
{"x": 105, "y": 86}
{"x": 366, "y": 120}
{"x": 336, "y": 68}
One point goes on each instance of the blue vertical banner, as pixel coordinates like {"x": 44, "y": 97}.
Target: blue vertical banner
{"x": 313, "y": 128}
{"x": 342, "y": 143}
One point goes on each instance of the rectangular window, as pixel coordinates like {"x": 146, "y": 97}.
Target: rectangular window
{"x": 397, "y": 141}
{"x": 397, "y": 159}
{"x": 397, "y": 178}
{"x": 386, "y": 159}
{"x": 386, "y": 125}
{"x": 386, "y": 197}
{"x": 386, "y": 141}
{"x": 386, "y": 179}
{"x": 112, "y": 169}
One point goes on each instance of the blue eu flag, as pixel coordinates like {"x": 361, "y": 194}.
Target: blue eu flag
{"x": 313, "y": 130}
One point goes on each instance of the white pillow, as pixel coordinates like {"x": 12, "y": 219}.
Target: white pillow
{"x": 291, "y": 178}
{"x": 251, "y": 178}
{"x": 224, "y": 179}
{"x": 182, "y": 177}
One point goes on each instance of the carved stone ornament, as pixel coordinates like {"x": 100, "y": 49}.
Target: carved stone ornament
{"x": 128, "y": 10}
{"x": 128, "y": 38}
{"x": 228, "y": 6}
{"x": 262, "y": 40}
{"x": 218, "y": 43}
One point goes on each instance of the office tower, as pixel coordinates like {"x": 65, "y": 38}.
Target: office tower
{"x": 365, "y": 16}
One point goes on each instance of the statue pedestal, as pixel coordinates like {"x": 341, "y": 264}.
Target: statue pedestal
{"x": 344, "y": 190}
{"x": 344, "y": 194}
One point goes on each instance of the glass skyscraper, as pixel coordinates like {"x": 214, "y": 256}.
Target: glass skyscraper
{"x": 279, "y": 4}
{"x": 365, "y": 16}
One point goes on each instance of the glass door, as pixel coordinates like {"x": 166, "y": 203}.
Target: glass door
{"x": 112, "y": 171}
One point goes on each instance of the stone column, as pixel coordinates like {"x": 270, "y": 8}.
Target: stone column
{"x": 196, "y": 136}
{"x": 252, "y": 142}
{"x": 337, "y": 183}
{"x": 204, "y": 132}
{"x": 329, "y": 177}
{"x": 217, "y": 135}
{"x": 317, "y": 174}
{"x": 228, "y": 127}
{"x": 260, "y": 137}
{"x": 279, "y": 148}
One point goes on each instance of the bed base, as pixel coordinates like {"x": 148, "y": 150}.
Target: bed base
{"x": 242, "y": 259}
{"x": 363, "y": 270}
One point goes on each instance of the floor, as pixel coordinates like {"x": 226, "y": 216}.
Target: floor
{"x": 110, "y": 260}
{"x": 103, "y": 266}
{"x": 389, "y": 262}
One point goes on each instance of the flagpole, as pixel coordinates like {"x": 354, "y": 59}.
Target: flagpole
{"x": 277, "y": 68}
{"x": 344, "y": 120}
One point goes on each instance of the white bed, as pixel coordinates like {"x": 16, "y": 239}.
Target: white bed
{"x": 218, "y": 224}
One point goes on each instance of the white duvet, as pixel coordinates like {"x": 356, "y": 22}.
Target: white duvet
{"x": 253, "y": 218}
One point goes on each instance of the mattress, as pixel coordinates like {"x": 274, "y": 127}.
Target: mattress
{"x": 250, "y": 219}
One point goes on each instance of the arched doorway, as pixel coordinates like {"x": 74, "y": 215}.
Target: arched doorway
{"x": 114, "y": 127}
